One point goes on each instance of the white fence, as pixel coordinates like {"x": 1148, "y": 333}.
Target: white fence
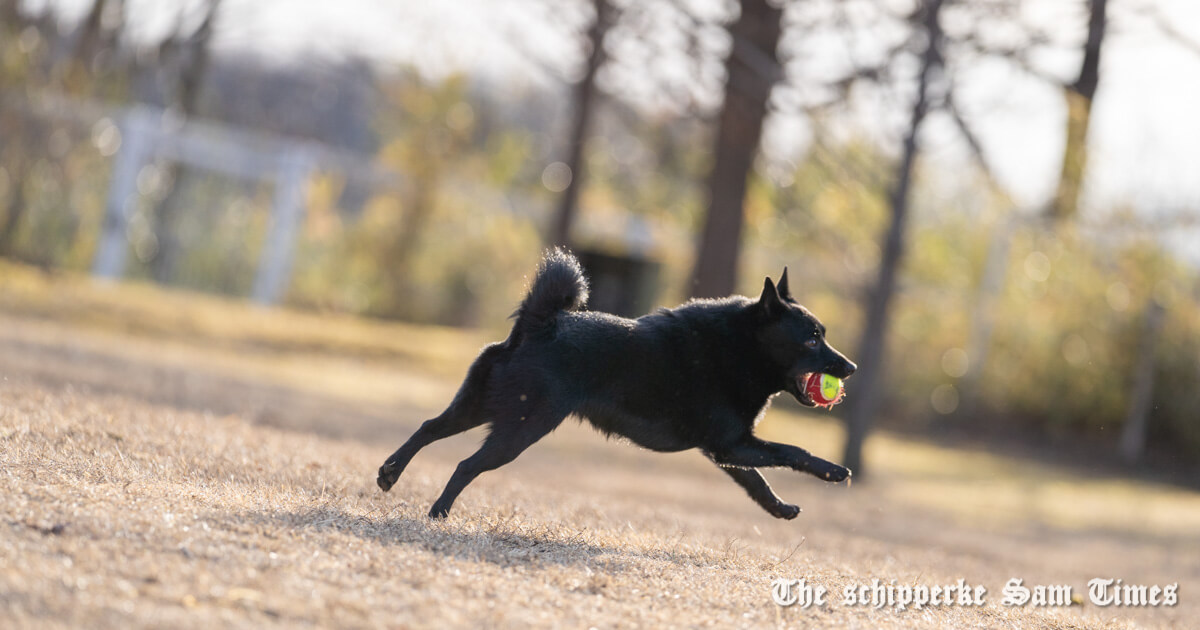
{"x": 149, "y": 133}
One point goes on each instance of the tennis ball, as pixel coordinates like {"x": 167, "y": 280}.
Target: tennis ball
{"x": 824, "y": 389}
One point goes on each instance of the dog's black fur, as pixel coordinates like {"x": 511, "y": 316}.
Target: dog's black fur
{"x": 697, "y": 376}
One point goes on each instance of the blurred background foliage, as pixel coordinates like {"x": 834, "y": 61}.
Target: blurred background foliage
{"x": 1003, "y": 326}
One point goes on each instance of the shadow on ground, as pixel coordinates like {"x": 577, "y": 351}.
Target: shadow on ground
{"x": 504, "y": 541}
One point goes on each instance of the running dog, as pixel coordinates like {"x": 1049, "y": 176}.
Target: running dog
{"x": 697, "y": 376}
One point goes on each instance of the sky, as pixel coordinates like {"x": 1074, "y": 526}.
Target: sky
{"x": 1144, "y": 143}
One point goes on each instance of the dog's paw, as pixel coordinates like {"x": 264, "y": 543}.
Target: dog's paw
{"x": 439, "y": 511}
{"x": 786, "y": 511}
{"x": 832, "y": 472}
{"x": 387, "y": 478}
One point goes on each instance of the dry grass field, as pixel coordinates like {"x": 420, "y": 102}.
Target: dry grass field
{"x": 174, "y": 460}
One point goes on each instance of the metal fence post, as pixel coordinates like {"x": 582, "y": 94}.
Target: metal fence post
{"x": 137, "y": 138}
{"x": 287, "y": 210}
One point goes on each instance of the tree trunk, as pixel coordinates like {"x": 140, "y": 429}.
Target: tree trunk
{"x": 585, "y": 95}
{"x": 90, "y": 33}
{"x": 20, "y": 137}
{"x": 14, "y": 208}
{"x": 747, "y": 89}
{"x": 96, "y": 34}
{"x": 871, "y": 357}
{"x": 1080, "y": 96}
{"x": 165, "y": 263}
{"x": 10, "y": 13}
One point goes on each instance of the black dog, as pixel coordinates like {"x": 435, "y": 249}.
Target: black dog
{"x": 696, "y": 376}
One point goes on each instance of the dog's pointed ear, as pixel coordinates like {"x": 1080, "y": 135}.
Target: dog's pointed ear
{"x": 784, "y": 291}
{"x": 769, "y": 301}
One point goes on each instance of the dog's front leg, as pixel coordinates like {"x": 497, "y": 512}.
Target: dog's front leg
{"x": 759, "y": 490}
{"x": 752, "y": 452}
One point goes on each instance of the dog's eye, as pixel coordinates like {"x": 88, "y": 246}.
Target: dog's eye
{"x": 812, "y": 343}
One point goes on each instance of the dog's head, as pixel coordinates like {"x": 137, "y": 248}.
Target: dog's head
{"x": 795, "y": 340}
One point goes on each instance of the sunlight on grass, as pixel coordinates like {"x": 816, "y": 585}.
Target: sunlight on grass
{"x": 198, "y": 518}
{"x": 144, "y": 310}
{"x": 380, "y": 362}
{"x": 987, "y": 489}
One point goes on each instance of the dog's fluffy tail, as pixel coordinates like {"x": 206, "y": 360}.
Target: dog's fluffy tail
{"x": 558, "y": 286}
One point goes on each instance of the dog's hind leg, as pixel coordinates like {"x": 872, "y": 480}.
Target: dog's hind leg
{"x": 508, "y": 440}
{"x": 752, "y": 452}
{"x": 757, "y": 487}
{"x": 462, "y": 414}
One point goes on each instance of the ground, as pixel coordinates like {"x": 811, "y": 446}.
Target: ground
{"x": 174, "y": 460}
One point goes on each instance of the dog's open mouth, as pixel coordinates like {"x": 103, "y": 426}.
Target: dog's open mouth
{"x": 803, "y": 390}
{"x": 798, "y": 390}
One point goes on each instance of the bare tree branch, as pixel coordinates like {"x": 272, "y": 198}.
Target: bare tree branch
{"x": 767, "y": 70}
{"x": 1018, "y": 55}
{"x": 1169, "y": 29}
{"x": 972, "y": 140}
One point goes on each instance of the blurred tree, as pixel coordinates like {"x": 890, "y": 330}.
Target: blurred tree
{"x": 95, "y": 43}
{"x": 188, "y": 54}
{"x": 752, "y": 71}
{"x": 1080, "y": 95}
{"x": 584, "y": 97}
{"x": 36, "y": 147}
{"x": 871, "y": 354}
{"x": 24, "y": 48}
{"x": 998, "y": 29}
{"x": 659, "y": 55}
{"x": 429, "y": 125}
